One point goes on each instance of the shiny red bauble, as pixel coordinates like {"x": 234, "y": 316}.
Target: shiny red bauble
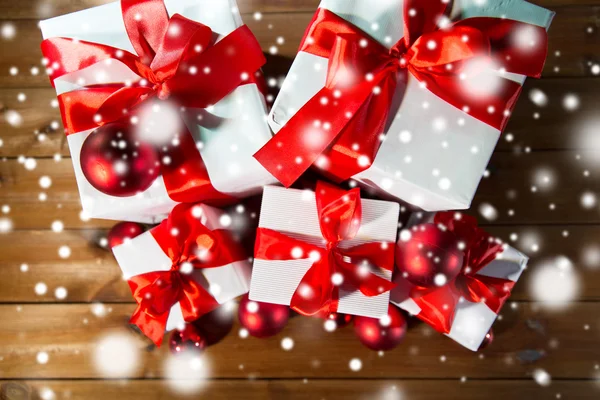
{"x": 123, "y": 231}
{"x": 429, "y": 257}
{"x": 215, "y": 325}
{"x": 115, "y": 163}
{"x": 186, "y": 340}
{"x": 262, "y": 319}
{"x": 340, "y": 319}
{"x": 381, "y": 333}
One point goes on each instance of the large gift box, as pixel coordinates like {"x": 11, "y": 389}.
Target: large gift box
{"x": 217, "y": 81}
{"x": 475, "y": 275}
{"x": 183, "y": 268}
{"x": 445, "y": 77}
{"x": 324, "y": 251}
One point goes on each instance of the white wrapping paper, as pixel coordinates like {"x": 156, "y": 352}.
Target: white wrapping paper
{"x": 472, "y": 321}
{"x": 143, "y": 254}
{"x": 294, "y": 213}
{"x": 440, "y": 157}
{"x": 227, "y": 147}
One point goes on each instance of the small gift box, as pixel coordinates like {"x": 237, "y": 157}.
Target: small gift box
{"x": 453, "y": 275}
{"x": 324, "y": 251}
{"x": 182, "y": 269}
{"x": 407, "y": 97}
{"x": 161, "y": 104}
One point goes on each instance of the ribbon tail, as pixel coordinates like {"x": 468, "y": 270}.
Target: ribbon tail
{"x": 315, "y": 293}
{"x": 492, "y": 291}
{"x": 438, "y": 307}
{"x": 186, "y": 177}
{"x": 151, "y": 326}
{"x": 302, "y": 140}
{"x": 196, "y": 300}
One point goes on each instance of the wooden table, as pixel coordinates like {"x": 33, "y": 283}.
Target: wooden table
{"x": 549, "y": 221}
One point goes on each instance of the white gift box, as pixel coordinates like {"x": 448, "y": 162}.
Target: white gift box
{"x": 472, "y": 321}
{"x": 143, "y": 254}
{"x": 439, "y": 164}
{"x": 227, "y": 148}
{"x": 294, "y": 213}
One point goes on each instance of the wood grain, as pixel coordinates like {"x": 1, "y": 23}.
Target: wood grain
{"x": 553, "y": 127}
{"x": 548, "y": 220}
{"x": 569, "y": 35}
{"x": 91, "y": 274}
{"x": 508, "y": 187}
{"x": 310, "y": 389}
{"x": 70, "y": 334}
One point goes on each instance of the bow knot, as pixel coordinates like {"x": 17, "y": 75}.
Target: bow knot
{"x": 162, "y": 92}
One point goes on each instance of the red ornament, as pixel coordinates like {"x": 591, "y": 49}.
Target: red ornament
{"x": 123, "y": 231}
{"x": 381, "y": 334}
{"x": 215, "y": 325}
{"x": 487, "y": 340}
{"x": 429, "y": 257}
{"x": 116, "y": 164}
{"x": 186, "y": 340}
{"x": 262, "y": 319}
{"x": 340, "y": 319}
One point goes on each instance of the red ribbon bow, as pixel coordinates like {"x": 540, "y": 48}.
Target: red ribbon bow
{"x": 343, "y": 123}
{"x": 191, "y": 247}
{"x": 438, "y": 305}
{"x": 339, "y": 218}
{"x": 172, "y": 57}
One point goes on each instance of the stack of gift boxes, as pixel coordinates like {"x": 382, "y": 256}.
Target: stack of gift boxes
{"x": 406, "y": 98}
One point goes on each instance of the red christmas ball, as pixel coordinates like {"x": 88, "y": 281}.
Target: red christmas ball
{"x": 186, "y": 340}
{"x": 430, "y": 256}
{"x": 487, "y": 340}
{"x": 384, "y": 333}
{"x": 340, "y": 319}
{"x": 116, "y": 164}
{"x": 215, "y": 325}
{"x": 262, "y": 319}
{"x": 123, "y": 231}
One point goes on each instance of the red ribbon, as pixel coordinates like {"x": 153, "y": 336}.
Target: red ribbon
{"x": 187, "y": 242}
{"x": 344, "y": 121}
{"x": 438, "y": 305}
{"x": 339, "y": 218}
{"x": 172, "y": 55}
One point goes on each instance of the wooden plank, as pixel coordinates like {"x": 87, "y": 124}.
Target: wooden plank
{"x": 70, "y": 334}
{"x": 310, "y": 389}
{"x": 508, "y": 187}
{"x": 554, "y": 128}
{"x": 568, "y": 35}
{"x": 35, "y": 9}
{"x": 91, "y": 274}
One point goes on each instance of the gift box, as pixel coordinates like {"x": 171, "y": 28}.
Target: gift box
{"x": 363, "y": 70}
{"x": 223, "y": 121}
{"x": 182, "y": 269}
{"x": 474, "y": 275}
{"x": 324, "y": 251}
